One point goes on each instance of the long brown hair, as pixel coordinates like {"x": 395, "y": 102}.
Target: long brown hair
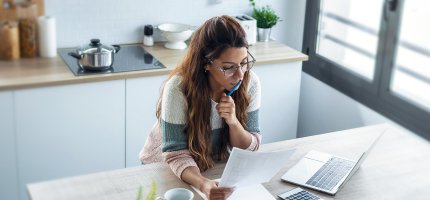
{"x": 209, "y": 41}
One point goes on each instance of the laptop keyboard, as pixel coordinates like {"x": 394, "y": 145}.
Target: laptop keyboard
{"x": 298, "y": 194}
{"x": 330, "y": 173}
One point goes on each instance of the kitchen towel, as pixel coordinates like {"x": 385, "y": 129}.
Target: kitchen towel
{"x": 47, "y": 36}
{"x": 9, "y": 40}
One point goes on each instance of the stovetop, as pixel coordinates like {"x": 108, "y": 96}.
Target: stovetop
{"x": 129, "y": 58}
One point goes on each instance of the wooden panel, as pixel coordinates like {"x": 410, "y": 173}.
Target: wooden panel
{"x": 40, "y": 7}
{"x": 10, "y": 14}
{"x": 6, "y": 14}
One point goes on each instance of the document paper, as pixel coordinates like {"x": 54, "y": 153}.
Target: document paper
{"x": 254, "y": 192}
{"x": 247, "y": 168}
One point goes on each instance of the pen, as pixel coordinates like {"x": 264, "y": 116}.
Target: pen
{"x": 234, "y": 88}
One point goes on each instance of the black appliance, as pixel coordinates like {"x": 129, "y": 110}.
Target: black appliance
{"x": 129, "y": 58}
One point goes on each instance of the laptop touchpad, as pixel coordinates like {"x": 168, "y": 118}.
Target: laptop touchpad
{"x": 304, "y": 170}
{"x": 318, "y": 156}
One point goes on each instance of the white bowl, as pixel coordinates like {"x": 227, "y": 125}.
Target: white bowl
{"x": 176, "y": 34}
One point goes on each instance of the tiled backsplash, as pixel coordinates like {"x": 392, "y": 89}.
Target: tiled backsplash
{"x": 115, "y": 21}
{"x": 122, "y": 21}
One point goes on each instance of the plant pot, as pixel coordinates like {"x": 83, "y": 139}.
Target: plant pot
{"x": 263, "y": 34}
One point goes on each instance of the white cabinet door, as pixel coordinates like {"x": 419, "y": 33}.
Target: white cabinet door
{"x": 8, "y": 169}
{"x": 69, "y": 130}
{"x": 141, "y": 100}
{"x": 280, "y": 93}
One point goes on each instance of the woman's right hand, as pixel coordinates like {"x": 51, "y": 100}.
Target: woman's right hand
{"x": 213, "y": 192}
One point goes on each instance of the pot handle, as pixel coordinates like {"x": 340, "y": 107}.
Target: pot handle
{"x": 117, "y": 48}
{"x": 75, "y": 55}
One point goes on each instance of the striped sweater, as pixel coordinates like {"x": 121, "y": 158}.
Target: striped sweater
{"x": 167, "y": 142}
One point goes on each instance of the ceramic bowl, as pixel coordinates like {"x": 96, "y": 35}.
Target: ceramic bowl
{"x": 176, "y": 34}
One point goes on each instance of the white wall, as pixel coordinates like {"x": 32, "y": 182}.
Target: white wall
{"x": 324, "y": 109}
{"x": 290, "y": 29}
{"x": 120, "y": 22}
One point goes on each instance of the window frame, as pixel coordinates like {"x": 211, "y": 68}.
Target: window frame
{"x": 376, "y": 94}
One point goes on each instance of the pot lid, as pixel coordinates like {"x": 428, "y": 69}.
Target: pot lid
{"x": 95, "y": 47}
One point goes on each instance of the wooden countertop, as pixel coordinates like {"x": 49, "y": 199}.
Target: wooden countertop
{"x": 37, "y": 72}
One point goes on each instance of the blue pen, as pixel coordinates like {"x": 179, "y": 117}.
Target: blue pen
{"x": 234, "y": 88}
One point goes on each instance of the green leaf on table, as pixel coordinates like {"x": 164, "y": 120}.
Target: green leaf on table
{"x": 152, "y": 194}
{"x": 140, "y": 193}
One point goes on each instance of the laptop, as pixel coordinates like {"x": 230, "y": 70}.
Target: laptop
{"x": 325, "y": 172}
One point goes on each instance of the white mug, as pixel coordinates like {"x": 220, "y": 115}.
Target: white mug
{"x": 177, "y": 194}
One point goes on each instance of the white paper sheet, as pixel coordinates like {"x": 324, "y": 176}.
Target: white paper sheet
{"x": 254, "y": 192}
{"x": 247, "y": 168}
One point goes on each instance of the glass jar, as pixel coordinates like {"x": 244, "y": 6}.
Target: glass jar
{"x": 27, "y": 16}
{"x": 9, "y": 40}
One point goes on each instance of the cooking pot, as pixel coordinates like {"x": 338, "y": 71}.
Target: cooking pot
{"x": 95, "y": 56}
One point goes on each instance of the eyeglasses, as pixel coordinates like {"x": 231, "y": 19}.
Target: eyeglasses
{"x": 230, "y": 70}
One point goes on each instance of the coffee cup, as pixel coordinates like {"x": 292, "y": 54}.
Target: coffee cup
{"x": 177, "y": 194}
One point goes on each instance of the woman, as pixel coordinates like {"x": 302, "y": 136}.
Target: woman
{"x": 198, "y": 123}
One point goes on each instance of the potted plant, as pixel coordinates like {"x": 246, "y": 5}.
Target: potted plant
{"x": 266, "y": 18}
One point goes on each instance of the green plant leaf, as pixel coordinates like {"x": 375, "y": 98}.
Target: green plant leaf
{"x": 265, "y": 16}
{"x": 152, "y": 194}
{"x": 252, "y": 2}
{"x": 139, "y": 193}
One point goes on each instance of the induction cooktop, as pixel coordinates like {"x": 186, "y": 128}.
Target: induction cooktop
{"x": 128, "y": 58}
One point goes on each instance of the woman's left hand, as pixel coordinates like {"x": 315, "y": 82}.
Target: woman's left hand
{"x": 226, "y": 109}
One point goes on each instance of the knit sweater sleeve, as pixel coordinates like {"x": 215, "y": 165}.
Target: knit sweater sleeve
{"x": 172, "y": 123}
{"x": 253, "y": 126}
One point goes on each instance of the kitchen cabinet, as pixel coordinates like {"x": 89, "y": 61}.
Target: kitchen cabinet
{"x": 8, "y": 169}
{"x": 280, "y": 92}
{"x": 69, "y": 130}
{"x": 141, "y": 99}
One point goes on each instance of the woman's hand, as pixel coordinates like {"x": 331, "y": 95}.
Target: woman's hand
{"x": 239, "y": 137}
{"x": 226, "y": 109}
{"x": 213, "y": 192}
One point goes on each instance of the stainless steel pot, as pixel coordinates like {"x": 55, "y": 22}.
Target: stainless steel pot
{"x": 95, "y": 56}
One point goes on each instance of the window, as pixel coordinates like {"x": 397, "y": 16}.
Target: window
{"x": 347, "y": 37}
{"x": 375, "y": 51}
{"x": 411, "y": 76}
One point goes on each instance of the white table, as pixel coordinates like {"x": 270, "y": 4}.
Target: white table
{"x": 397, "y": 168}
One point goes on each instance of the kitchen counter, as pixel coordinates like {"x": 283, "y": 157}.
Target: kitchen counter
{"x": 398, "y": 164}
{"x": 37, "y": 72}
